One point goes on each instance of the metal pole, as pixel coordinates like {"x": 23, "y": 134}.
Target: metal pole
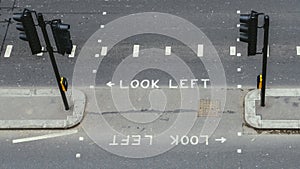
{"x": 265, "y": 58}
{"x": 52, "y": 58}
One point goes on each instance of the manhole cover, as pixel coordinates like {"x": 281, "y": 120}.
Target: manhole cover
{"x": 209, "y": 107}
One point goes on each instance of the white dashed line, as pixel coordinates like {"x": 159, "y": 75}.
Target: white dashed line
{"x": 102, "y": 26}
{"x": 200, "y": 50}
{"x": 73, "y": 52}
{"x": 238, "y": 54}
{"x": 45, "y": 136}
{"x": 268, "y": 51}
{"x": 239, "y": 86}
{"x": 136, "y": 49}
{"x": 239, "y": 151}
{"x": 168, "y": 50}
{"x": 77, "y": 155}
{"x": 81, "y": 138}
{"x": 232, "y": 51}
{"x": 8, "y": 51}
{"x": 298, "y": 50}
{"x": 41, "y": 54}
{"x": 104, "y": 51}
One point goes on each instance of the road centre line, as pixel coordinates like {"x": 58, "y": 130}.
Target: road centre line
{"x": 41, "y": 54}
{"x": 168, "y": 50}
{"x": 298, "y": 50}
{"x": 8, "y": 51}
{"x": 43, "y": 137}
{"x": 200, "y": 50}
{"x": 73, "y": 52}
{"x": 103, "y": 51}
{"x": 232, "y": 50}
{"x": 136, "y": 49}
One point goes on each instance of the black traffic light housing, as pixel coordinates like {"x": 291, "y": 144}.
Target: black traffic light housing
{"x": 28, "y": 31}
{"x": 248, "y": 31}
{"x": 62, "y": 37}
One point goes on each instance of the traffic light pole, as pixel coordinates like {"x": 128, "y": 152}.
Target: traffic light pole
{"x": 49, "y": 48}
{"x": 265, "y": 58}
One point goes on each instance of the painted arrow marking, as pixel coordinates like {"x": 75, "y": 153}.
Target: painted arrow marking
{"x": 222, "y": 139}
{"x": 110, "y": 84}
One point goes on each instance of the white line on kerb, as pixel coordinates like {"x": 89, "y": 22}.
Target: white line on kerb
{"x": 104, "y": 51}
{"x": 8, "y": 51}
{"x": 53, "y": 135}
{"x": 298, "y": 50}
{"x": 136, "y": 49}
{"x": 232, "y": 50}
{"x": 200, "y": 50}
{"x": 168, "y": 50}
{"x": 73, "y": 51}
{"x": 41, "y": 54}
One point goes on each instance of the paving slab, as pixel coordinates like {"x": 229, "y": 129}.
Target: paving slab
{"x": 281, "y": 110}
{"x": 39, "y": 108}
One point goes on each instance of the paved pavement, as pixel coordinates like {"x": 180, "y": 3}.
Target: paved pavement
{"x": 281, "y": 110}
{"x": 39, "y": 109}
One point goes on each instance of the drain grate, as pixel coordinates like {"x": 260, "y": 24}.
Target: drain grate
{"x": 209, "y": 108}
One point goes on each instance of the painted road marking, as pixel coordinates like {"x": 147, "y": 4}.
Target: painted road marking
{"x": 41, "y": 54}
{"x": 8, "y": 51}
{"x": 47, "y": 136}
{"x": 298, "y": 50}
{"x": 168, "y": 50}
{"x": 268, "y": 51}
{"x": 136, "y": 49}
{"x": 77, "y": 155}
{"x": 232, "y": 50}
{"x": 200, "y": 50}
{"x": 103, "y": 51}
{"x": 73, "y": 52}
{"x": 238, "y": 54}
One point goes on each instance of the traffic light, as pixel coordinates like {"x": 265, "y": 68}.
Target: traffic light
{"x": 28, "y": 31}
{"x": 248, "y": 31}
{"x": 62, "y": 37}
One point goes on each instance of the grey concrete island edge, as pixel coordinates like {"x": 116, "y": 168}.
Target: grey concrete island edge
{"x": 79, "y": 102}
{"x": 256, "y": 121}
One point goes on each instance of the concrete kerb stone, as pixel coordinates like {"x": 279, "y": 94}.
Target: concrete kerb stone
{"x": 256, "y": 121}
{"x": 77, "y": 96}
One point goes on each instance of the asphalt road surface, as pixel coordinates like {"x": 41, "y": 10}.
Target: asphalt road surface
{"x": 231, "y": 145}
